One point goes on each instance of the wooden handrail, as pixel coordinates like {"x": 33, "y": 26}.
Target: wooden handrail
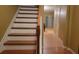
{"x": 38, "y": 35}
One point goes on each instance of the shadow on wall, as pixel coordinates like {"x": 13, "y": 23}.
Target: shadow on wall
{"x": 6, "y": 14}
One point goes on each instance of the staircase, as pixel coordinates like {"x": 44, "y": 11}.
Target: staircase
{"x": 23, "y": 37}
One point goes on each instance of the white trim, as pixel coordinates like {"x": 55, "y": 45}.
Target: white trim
{"x": 69, "y": 49}
{"x": 7, "y": 31}
{"x": 41, "y": 36}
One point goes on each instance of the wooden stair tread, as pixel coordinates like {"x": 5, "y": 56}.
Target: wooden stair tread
{"x": 27, "y": 10}
{"x": 21, "y": 34}
{"x": 27, "y": 22}
{"x": 18, "y": 42}
{"x": 33, "y": 51}
{"x": 29, "y": 6}
{"x": 21, "y": 28}
{"x": 29, "y": 13}
{"x": 28, "y": 17}
{"x": 31, "y": 38}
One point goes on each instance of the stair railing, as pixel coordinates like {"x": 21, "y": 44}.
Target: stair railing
{"x": 38, "y": 35}
{"x": 41, "y": 36}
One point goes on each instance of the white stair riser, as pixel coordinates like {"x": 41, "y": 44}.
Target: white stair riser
{"x": 26, "y": 20}
{"x": 24, "y": 15}
{"x": 29, "y": 8}
{"x": 32, "y": 31}
{"x": 34, "y": 38}
{"x": 19, "y": 47}
{"x": 28, "y": 11}
{"x": 25, "y": 25}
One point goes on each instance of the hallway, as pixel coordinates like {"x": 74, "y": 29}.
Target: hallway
{"x": 52, "y": 44}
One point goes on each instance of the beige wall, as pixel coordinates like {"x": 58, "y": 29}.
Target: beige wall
{"x": 60, "y": 22}
{"x": 63, "y": 23}
{"x": 73, "y": 38}
{"x": 6, "y": 15}
{"x": 68, "y": 26}
{"x": 41, "y": 13}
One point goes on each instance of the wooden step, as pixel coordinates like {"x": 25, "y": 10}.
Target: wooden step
{"x": 23, "y": 31}
{"x": 19, "y": 52}
{"x": 25, "y": 20}
{"x": 25, "y": 25}
{"x": 26, "y": 15}
{"x": 21, "y": 38}
{"x": 18, "y": 42}
{"x": 16, "y": 34}
{"x": 28, "y": 10}
{"x": 27, "y": 6}
{"x": 20, "y": 47}
{"x": 21, "y": 28}
{"x": 29, "y": 13}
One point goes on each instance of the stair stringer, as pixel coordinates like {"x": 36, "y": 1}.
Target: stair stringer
{"x": 4, "y": 39}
